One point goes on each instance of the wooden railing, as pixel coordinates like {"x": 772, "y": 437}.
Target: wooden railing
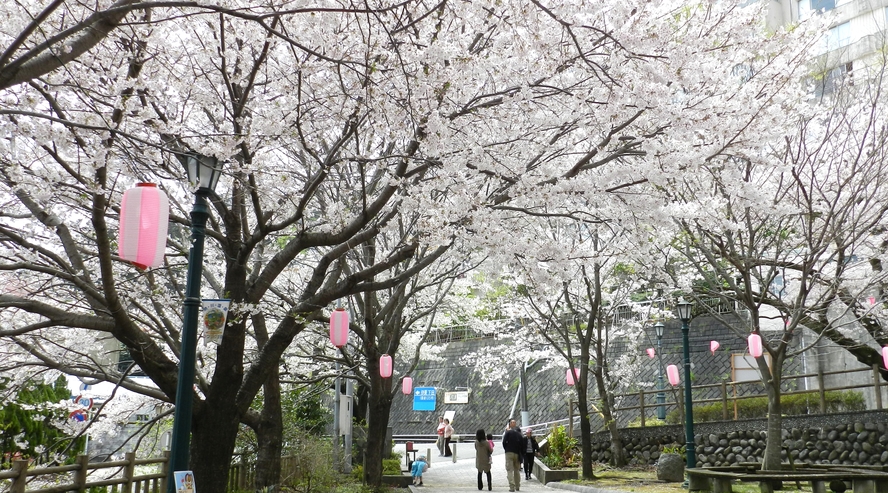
{"x": 76, "y": 477}
{"x": 730, "y": 393}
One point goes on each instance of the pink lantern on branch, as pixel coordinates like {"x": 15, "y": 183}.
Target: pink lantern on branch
{"x": 672, "y": 374}
{"x": 572, "y": 377}
{"x": 755, "y": 345}
{"x": 144, "y": 217}
{"x": 651, "y": 352}
{"x": 885, "y": 356}
{"x": 872, "y": 300}
{"x": 385, "y": 366}
{"x": 339, "y": 327}
{"x": 407, "y": 386}
{"x": 713, "y": 346}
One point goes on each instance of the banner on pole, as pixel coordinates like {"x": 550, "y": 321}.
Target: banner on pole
{"x": 215, "y": 314}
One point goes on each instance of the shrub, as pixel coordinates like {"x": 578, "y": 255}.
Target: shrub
{"x": 391, "y": 466}
{"x": 648, "y": 421}
{"x": 793, "y": 404}
{"x": 562, "y": 449}
{"x": 309, "y": 461}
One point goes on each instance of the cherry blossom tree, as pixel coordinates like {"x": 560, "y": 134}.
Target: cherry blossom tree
{"x": 793, "y": 234}
{"x": 332, "y": 122}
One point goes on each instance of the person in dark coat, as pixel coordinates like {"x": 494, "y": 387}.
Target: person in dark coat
{"x": 483, "y": 451}
{"x": 531, "y": 449}
{"x": 512, "y": 443}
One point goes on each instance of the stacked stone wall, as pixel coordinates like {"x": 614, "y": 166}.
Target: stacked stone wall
{"x": 859, "y": 438}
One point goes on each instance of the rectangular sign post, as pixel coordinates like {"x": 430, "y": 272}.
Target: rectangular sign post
{"x": 424, "y": 398}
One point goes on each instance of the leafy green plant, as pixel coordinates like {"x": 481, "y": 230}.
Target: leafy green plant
{"x": 308, "y": 464}
{"x": 562, "y": 449}
{"x": 29, "y": 424}
{"x": 674, "y": 449}
{"x": 648, "y": 421}
{"x": 391, "y": 466}
{"x": 792, "y": 404}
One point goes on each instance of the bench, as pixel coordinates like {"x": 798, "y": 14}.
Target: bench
{"x": 719, "y": 481}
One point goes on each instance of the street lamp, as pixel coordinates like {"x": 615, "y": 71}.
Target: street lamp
{"x": 684, "y": 313}
{"x": 661, "y": 397}
{"x": 203, "y": 171}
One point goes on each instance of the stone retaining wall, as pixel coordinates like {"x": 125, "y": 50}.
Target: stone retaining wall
{"x": 857, "y": 438}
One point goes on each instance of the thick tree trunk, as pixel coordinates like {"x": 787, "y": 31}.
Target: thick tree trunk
{"x": 270, "y": 438}
{"x": 213, "y": 435}
{"x": 618, "y": 452}
{"x": 771, "y": 459}
{"x": 380, "y": 405}
{"x": 585, "y": 430}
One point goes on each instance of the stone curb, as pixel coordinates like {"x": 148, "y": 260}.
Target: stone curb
{"x": 580, "y": 489}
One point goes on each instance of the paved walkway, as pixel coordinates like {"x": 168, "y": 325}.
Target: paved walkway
{"x": 446, "y": 475}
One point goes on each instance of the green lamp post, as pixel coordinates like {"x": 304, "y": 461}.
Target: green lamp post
{"x": 684, "y": 313}
{"x": 205, "y": 172}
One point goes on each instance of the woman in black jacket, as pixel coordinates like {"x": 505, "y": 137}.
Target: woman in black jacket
{"x": 531, "y": 449}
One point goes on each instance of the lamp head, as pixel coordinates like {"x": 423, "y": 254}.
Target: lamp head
{"x": 684, "y": 310}
{"x": 659, "y": 328}
{"x": 202, "y": 170}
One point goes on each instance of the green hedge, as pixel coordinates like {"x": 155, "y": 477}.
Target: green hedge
{"x": 795, "y": 404}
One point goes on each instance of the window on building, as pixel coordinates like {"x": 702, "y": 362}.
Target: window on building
{"x": 807, "y": 7}
{"x": 833, "y": 80}
{"x": 124, "y": 360}
{"x": 839, "y": 36}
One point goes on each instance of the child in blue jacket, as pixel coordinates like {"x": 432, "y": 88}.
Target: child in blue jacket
{"x": 419, "y": 466}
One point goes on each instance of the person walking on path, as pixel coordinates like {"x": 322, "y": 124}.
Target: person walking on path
{"x": 531, "y": 449}
{"x": 483, "y": 452}
{"x": 440, "y": 431}
{"x": 448, "y": 434}
{"x": 512, "y": 446}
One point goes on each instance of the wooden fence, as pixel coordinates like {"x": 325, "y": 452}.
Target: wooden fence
{"x": 643, "y": 403}
{"x": 76, "y": 477}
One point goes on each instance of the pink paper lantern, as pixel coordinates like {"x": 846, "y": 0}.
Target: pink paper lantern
{"x": 144, "y": 217}
{"x": 572, "y": 377}
{"x": 407, "y": 386}
{"x": 339, "y": 327}
{"x": 872, "y": 300}
{"x": 651, "y": 352}
{"x": 385, "y": 366}
{"x": 672, "y": 374}
{"x": 713, "y": 346}
{"x": 885, "y": 356}
{"x": 755, "y": 345}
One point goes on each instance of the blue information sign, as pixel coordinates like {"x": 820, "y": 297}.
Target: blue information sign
{"x": 424, "y": 398}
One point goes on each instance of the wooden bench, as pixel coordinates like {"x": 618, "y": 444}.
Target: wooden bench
{"x": 719, "y": 481}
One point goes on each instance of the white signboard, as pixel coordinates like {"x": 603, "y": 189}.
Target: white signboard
{"x": 745, "y": 368}
{"x": 461, "y": 397}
